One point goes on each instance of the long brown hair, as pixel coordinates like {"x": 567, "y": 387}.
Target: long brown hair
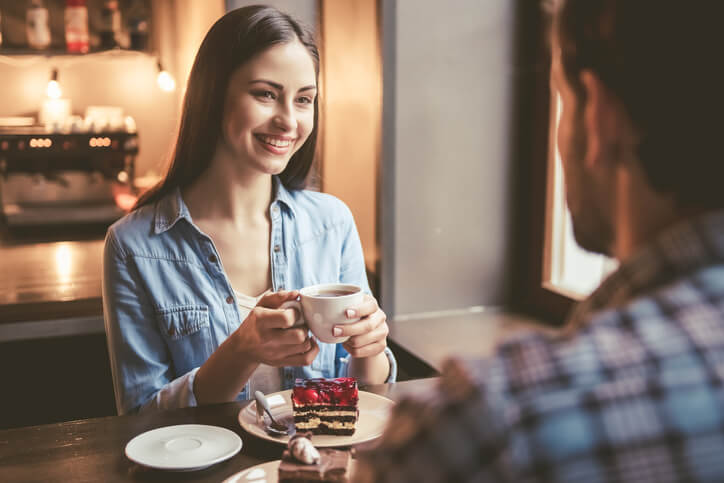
{"x": 232, "y": 40}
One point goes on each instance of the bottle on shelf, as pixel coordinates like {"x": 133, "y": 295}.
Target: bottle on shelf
{"x": 36, "y": 25}
{"x": 138, "y": 25}
{"x": 76, "y": 26}
{"x": 110, "y": 26}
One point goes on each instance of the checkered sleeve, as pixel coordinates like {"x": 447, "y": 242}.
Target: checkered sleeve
{"x": 453, "y": 434}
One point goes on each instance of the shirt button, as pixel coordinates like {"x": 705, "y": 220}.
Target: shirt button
{"x": 277, "y": 248}
{"x": 212, "y": 258}
{"x": 275, "y": 210}
{"x": 229, "y": 299}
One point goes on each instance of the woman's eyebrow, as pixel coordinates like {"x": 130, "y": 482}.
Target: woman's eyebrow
{"x": 265, "y": 81}
{"x": 280, "y": 87}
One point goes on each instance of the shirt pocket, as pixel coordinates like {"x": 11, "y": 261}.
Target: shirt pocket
{"x": 187, "y": 331}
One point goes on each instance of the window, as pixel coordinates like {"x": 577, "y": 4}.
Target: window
{"x": 568, "y": 268}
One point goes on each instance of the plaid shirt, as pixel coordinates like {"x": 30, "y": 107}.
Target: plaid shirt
{"x": 633, "y": 394}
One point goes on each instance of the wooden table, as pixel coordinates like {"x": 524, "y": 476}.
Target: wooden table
{"x": 93, "y": 449}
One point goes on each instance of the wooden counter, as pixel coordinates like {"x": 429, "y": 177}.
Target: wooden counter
{"x": 53, "y": 280}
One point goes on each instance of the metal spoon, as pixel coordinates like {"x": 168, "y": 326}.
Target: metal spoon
{"x": 275, "y": 428}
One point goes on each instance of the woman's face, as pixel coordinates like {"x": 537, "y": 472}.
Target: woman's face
{"x": 269, "y": 109}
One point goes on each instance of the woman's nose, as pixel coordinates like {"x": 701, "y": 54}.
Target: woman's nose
{"x": 284, "y": 118}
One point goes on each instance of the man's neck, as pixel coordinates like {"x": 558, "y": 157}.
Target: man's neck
{"x": 640, "y": 213}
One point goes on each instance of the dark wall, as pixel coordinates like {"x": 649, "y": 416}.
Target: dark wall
{"x": 55, "y": 379}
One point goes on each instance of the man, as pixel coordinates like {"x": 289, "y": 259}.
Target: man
{"x": 632, "y": 392}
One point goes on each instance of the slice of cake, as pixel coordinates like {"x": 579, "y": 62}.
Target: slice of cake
{"x": 301, "y": 461}
{"x": 325, "y": 406}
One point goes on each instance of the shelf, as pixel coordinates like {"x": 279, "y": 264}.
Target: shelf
{"x": 58, "y": 52}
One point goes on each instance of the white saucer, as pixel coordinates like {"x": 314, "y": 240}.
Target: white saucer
{"x": 262, "y": 473}
{"x": 184, "y": 447}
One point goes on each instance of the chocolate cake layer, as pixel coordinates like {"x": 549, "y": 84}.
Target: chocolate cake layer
{"x": 300, "y": 418}
{"x": 333, "y": 466}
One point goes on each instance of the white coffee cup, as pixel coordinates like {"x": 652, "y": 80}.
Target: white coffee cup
{"x": 323, "y": 306}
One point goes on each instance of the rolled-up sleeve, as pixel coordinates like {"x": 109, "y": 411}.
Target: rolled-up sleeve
{"x": 343, "y": 358}
{"x": 140, "y": 362}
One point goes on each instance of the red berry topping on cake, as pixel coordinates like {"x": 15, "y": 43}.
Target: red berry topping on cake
{"x": 340, "y": 391}
{"x": 309, "y": 396}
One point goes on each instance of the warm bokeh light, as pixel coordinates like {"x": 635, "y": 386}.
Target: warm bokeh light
{"x": 165, "y": 81}
{"x": 53, "y": 90}
{"x": 125, "y": 201}
{"x": 64, "y": 267}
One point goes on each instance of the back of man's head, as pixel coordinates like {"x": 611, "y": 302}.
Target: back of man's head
{"x": 663, "y": 59}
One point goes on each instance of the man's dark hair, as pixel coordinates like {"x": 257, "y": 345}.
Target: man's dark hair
{"x": 663, "y": 60}
{"x": 233, "y": 40}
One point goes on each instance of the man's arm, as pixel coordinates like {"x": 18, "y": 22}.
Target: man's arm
{"x": 452, "y": 434}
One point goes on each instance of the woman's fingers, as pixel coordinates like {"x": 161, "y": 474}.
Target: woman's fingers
{"x": 304, "y": 358}
{"x": 362, "y": 326}
{"x": 367, "y": 307}
{"x": 294, "y": 336}
{"x": 267, "y": 318}
{"x": 377, "y": 334}
{"x": 368, "y": 350}
{"x": 273, "y": 300}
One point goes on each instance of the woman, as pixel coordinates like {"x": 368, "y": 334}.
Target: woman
{"x": 182, "y": 328}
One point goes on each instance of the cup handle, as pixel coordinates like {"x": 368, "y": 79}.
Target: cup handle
{"x": 296, "y": 305}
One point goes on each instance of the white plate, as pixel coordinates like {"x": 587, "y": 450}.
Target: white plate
{"x": 265, "y": 473}
{"x": 373, "y": 413}
{"x": 184, "y": 447}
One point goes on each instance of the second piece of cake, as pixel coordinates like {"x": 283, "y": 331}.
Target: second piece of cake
{"x": 326, "y": 406}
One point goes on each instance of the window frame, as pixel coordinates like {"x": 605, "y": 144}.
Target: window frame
{"x": 536, "y": 161}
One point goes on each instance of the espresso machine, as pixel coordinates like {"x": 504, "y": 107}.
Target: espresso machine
{"x": 49, "y": 177}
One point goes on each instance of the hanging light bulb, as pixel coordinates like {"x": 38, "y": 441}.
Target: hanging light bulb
{"x": 165, "y": 80}
{"x": 53, "y": 90}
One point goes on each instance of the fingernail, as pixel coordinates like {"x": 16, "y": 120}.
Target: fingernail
{"x": 351, "y": 313}
{"x": 337, "y": 331}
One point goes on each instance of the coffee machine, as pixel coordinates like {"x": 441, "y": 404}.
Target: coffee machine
{"x": 49, "y": 177}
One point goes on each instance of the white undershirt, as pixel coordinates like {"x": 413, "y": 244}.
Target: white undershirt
{"x": 266, "y": 379}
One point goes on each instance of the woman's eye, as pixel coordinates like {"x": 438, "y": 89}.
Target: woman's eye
{"x": 265, "y": 95}
{"x": 305, "y": 100}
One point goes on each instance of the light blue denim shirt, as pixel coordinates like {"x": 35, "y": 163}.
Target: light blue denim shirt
{"x": 168, "y": 303}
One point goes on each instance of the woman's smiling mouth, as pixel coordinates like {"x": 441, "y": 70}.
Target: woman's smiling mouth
{"x": 275, "y": 144}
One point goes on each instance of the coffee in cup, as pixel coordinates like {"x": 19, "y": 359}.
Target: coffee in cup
{"x": 324, "y": 306}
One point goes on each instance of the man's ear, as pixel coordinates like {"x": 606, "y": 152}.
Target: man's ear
{"x": 600, "y": 118}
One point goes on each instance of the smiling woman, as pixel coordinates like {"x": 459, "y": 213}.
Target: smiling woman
{"x": 270, "y": 108}
{"x": 184, "y": 328}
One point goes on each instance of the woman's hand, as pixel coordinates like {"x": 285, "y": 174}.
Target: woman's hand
{"x": 367, "y": 336}
{"x": 267, "y": 336}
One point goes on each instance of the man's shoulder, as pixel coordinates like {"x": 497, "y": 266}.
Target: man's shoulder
{"x": 680, "y": 316}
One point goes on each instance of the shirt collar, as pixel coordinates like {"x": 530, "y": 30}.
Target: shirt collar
{"x": 679, "y": 250}
{"x": 172, "y": 208}
{"x": 282, "y": 195}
